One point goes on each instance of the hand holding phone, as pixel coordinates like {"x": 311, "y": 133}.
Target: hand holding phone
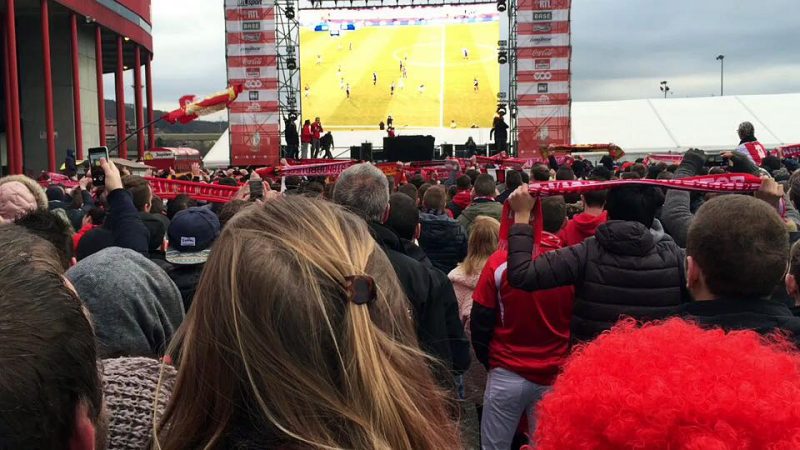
{"x": 95, "y": 155}
{"x": 256, "y": 189}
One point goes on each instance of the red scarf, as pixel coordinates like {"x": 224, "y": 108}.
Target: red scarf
{"x": 729, "y": 183}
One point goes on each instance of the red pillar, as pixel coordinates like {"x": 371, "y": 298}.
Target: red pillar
{"x": 101, "y": 102}
{"x": 137, "y": 95}
{"x": 151, "y": 131}
{"x": 76, "y": 86}
{"x": 119, "y": 84}
{"x": 10, "y": 161}
{"x": 48, "y": 88}
{"x": 13, "y": 81}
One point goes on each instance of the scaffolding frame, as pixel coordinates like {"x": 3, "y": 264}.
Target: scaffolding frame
{"x": 287, "y": 42}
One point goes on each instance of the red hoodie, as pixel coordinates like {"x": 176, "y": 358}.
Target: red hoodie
{"x": 463, "y": 199}
{"x": 581, "y": 226}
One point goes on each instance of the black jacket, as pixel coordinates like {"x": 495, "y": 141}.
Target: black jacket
{"x": 186, "y": 277}
{"x": 290, "y": 133}
{"x": 760, "y": 315}
{"x": 624, "y": 270}
{"x": 443, "y": 240}
{"x": 434, "y": 302}
{"x": 157, "y": 229}
{"x": 124, "y": 222}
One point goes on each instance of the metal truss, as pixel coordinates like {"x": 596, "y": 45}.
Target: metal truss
{"x": 512, "y": 78}
{"x": 287, "y": 41}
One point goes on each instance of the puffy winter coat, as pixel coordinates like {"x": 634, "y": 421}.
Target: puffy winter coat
{"x": 626, "y": 269}
{"x": 480, "y": 207}
{"x": 443, "y": 240}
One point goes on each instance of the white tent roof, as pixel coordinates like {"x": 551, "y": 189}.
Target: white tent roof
{"x": 638, "y": 126}
{"x": 680, "y": 123}
{"x": 220, "y": 154}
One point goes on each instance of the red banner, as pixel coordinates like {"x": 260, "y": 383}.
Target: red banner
{"x": 255, "y": 137}
{"x": 169, "y": 189}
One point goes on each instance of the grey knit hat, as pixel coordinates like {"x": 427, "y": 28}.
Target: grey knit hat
{"x": 129, "y": 388}
{"x": 135, "y": 306}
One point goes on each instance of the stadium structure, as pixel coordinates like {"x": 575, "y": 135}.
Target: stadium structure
{"x": 55, "y": 53}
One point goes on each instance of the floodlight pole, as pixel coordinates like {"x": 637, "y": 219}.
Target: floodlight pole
{"x": 721, "y": 59}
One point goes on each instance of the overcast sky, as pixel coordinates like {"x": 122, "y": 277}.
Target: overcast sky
{"x": 622, "y": 49}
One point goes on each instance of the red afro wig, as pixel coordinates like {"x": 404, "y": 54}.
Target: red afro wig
{"x": 675, "y": 386}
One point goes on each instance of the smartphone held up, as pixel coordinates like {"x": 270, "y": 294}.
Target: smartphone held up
{"x": 95, "y": 155}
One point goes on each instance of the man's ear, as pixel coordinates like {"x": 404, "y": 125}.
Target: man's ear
{"x": 693, "y": 273}
{"x": 791, "y": 285}
{"x": 83, "y": 435}
{"x": 147, "y": 207}
{"x": 386, "y": 213}
{"x": 417, "y": 231}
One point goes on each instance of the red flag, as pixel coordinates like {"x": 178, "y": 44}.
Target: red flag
{"x": 191, "y": 108}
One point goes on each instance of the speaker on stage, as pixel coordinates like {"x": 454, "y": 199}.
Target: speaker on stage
{"x": 408, "y": 148}
{"x": 366, "y": 151}
{"x": 446, "y": 151}
{"x": 355, "y": 152}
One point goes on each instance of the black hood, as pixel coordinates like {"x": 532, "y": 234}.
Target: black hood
{"x": 624, "y": 237}
{"x": 386, "y": 238}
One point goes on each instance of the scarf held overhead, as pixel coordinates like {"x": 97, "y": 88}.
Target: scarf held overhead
{"x": 725, "y": 183}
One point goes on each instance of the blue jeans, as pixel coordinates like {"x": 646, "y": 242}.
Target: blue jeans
{"x": 507, "y": 396}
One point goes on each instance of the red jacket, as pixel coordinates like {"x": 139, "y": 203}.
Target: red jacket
{"x": 316, "y": 130}
{"x": 463, "y": 199}
{"x": 305, "y": 134}
{"x": 581, "y": 227}
{"x": 528, "y": 332}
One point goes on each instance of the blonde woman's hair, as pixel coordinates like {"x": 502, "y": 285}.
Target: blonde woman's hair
{"x": 483, "y": 239}
{"x": 272, "y": 342}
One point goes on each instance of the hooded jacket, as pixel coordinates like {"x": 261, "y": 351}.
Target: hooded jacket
{"x": 580, "y": 227}
{"x": 443, "y": 240}
{"x": 433, "y": 300}
{"x": 460, "y": 202}
{"x": 626, "y": 269}
{"x": 135, "y": 307}
{"x": 480, "y": 207}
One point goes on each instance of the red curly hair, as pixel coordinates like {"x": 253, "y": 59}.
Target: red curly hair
{"x": 674, "y": 385}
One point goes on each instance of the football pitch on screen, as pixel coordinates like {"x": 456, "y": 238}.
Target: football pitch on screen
{"x": 438, "y": 86}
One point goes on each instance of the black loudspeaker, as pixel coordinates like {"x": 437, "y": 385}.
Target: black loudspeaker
{"x": 446, "y": 151}
{"x": 366, "y": 151}
{"x": 378, "y": 156}
{"x": 355, "y": 152}
{"x": 408, "y": 148}
{"x": 461, "y": 151}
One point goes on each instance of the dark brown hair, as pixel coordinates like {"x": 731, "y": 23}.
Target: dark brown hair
{"x": 540, "y": 172}
{"x": 409, "y": 190}
{"x": 554, "y": 210}
{"x": 741, "y": 245}
{"x": 484, "y": 185}
{"x": 139, "y": 189}
{"x": 48, "y": 349}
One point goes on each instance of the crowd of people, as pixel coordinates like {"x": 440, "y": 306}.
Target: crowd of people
{"x": 364, "y": 313}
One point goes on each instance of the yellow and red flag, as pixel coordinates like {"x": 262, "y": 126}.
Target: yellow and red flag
{"x": 191, "y": 108}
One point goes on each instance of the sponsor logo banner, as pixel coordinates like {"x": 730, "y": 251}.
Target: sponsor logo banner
{"x": 543, "y": 52}
{"x": 543, "y": 75}
{"x": 542, "y": 5}
{"x": 251, "y": 37}
{"x": 525, "y": 29}
{"x": 553, "y": 15}
{"x": 543, "y": 40}
{"x": 543, "y": 87}
{"x": 529, "y": 65}
{"x": 251, "y": 61}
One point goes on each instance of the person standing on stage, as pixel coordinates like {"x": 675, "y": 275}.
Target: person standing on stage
{"x": 475, "y": 84}
{"x": 500, "y": 132}
{"x": 391, "y": 89}
{"x": 292, "y": 139}
{"x": 347, "y": 90}
{"x": 316, "y": 133}
{"x": 374, "y": 78}
{"x": 305, "y": 138}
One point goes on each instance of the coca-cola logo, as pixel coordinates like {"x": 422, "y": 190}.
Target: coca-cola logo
{"x": 253, "y": 61}
{"x": 543, "y": 52}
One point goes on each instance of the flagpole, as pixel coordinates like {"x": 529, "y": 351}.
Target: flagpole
{"x": 153, "y": 122}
